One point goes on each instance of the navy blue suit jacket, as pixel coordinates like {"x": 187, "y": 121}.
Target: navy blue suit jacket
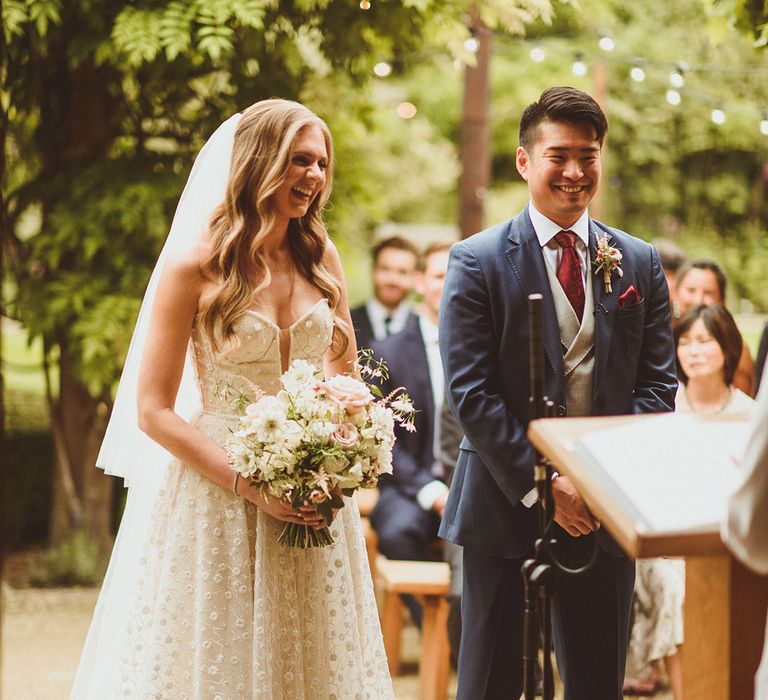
{"x": 361, "y": 324}
{"x": 484, "y": 346}
{"x": 413, "y": 453}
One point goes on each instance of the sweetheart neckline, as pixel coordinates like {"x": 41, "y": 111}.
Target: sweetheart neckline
{"x": 295, "y": 323}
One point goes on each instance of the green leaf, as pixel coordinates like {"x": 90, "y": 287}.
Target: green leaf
{"x": 136, "y": 34}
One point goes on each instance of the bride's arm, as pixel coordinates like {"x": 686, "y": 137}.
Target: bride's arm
{"x": 345, "y": 363}
{"x": 176, "y": 302}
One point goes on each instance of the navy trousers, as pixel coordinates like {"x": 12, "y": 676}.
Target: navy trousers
{"x": 590, "y": 616}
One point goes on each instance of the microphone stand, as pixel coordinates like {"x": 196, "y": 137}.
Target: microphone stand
{"x": 539, "y": 572}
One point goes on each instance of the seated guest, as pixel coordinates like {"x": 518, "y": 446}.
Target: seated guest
{"x": 708, "y": 346}
{"x": 704, "y": 282}
{"x": 412, "y": 498}
{"x": 672, "y": 258}
{"x": 388, "y": 310}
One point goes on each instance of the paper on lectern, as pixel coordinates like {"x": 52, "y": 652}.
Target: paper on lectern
{"x": 671, "y": 472}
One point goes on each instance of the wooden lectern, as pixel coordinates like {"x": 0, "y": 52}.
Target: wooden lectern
{"x": 725, "y": 603}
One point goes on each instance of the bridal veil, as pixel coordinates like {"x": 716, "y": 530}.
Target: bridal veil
{"x": 129, "y": 453}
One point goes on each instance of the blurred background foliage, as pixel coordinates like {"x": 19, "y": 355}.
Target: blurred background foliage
{"x": 106, "y": 102}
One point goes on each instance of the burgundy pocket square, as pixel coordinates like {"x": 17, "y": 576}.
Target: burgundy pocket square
{"x": 629, "y": 297}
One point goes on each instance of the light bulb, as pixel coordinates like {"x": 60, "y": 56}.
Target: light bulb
{"x": 365, "y": 4}
{"x": 471, "y": 44}
{"x": 718, "y": 116}
{"x": 406, "y": 110}
{"x": 579, "y": 67}
{"x": 673, "y": 97}
{"x": 382, "y": 69}
{"x": 764, "y": 127}
{"x": 676, "y": 80}
{"x": 606, "y": 43}
{"x": 537, "y": 54}
{"x": 637, "y": 74}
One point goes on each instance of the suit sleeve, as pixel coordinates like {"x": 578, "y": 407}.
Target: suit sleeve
{"x": 469, "y": 351}
{"x": 656, "y": 380}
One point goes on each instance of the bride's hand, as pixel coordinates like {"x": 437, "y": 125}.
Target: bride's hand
{"x": 281, "y": 510}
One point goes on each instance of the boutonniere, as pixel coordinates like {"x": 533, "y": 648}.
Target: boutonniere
{"x": 607, "y": 260}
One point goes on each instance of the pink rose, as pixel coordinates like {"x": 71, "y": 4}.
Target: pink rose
{"x": 352, "y": 394}
{"x": 345, "y": 436}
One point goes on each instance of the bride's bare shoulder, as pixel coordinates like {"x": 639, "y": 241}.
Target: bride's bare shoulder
{"x": 185, "y": 268}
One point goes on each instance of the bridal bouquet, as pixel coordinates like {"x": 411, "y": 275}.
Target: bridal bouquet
{"x": 316, "y": 440}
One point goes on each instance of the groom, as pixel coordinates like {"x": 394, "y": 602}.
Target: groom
{"x": 607, "y": 352}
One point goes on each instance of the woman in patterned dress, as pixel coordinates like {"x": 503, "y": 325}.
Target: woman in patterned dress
{"x": 216, "y": 606}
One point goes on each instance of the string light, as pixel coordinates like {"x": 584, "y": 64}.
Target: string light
{"x": 606, "y": 43}
{"x": 406, "y": 110}
{"x": 676, "y": 80}
{"x": 471, "y": 44}
{"x": 382, "y": 69}
{"x": 676, "y": 73}
{"x": 365, "y": 4}
{"x": 579, "y": 67}
{"x": 677, "y": 77}
{"x": 637, "y": 74}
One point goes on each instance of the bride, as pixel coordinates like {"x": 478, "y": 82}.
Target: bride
{"x": 200, "y": 599}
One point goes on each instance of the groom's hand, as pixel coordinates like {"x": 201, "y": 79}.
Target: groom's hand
{"x": 571, "y": 513}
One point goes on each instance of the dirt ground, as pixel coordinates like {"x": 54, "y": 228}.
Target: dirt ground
{"x": 44, "y": 630}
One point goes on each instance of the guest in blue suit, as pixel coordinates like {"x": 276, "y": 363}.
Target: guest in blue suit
{"x": 412, "y": 499}
{"x": 388, "y": 310}
{"x": 609, "y": 350}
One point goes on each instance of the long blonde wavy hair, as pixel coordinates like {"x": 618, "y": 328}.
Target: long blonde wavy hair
{"x": 261, "y": 155}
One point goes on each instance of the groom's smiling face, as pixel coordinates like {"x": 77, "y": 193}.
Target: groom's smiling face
{"x": 562, "y": 169}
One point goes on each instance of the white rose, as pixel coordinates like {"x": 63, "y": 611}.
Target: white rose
{"x": 300, "y": 377}
{"x": 335, "y": 464}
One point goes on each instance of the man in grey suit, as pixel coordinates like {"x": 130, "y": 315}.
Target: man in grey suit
{"x": 609, "y": 350}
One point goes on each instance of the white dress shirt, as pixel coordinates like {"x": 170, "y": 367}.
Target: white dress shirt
{"x": 377, "y": 312}
{"x": 546, "y": 230}
{"x": 429, "y": 493}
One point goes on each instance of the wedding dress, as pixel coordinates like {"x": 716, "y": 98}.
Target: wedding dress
{"x": 220, "y": 608}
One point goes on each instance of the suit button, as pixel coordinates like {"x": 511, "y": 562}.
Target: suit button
{"x": 561, "y": 411}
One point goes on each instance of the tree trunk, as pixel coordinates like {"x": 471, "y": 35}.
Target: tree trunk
{"x": 80, "y": 427}
{"x": 475, "y": 136}
{"x": 79, "y": 118}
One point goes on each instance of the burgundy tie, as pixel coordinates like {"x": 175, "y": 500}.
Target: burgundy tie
{"x": 569, "y": 271}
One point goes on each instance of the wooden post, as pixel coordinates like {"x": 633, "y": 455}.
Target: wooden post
{"x": 725, "y": 607}
{"x": 475, "y": 135}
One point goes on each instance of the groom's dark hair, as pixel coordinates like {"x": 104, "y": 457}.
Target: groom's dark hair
{"x": 562, "y": 104}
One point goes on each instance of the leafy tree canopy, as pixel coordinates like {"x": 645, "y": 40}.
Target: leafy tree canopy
{"x": 109, "y": 100}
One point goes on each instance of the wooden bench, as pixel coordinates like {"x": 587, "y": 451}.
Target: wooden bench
{"x": 429, "y": 581}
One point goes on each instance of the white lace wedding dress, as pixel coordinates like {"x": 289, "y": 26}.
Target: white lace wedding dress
{"x": 222, "y": 609}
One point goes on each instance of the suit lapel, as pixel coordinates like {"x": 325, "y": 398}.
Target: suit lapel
{"x": 420, "y": 380}
{"x": 525, "y": 257}
{"x": 605, "y": 308}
